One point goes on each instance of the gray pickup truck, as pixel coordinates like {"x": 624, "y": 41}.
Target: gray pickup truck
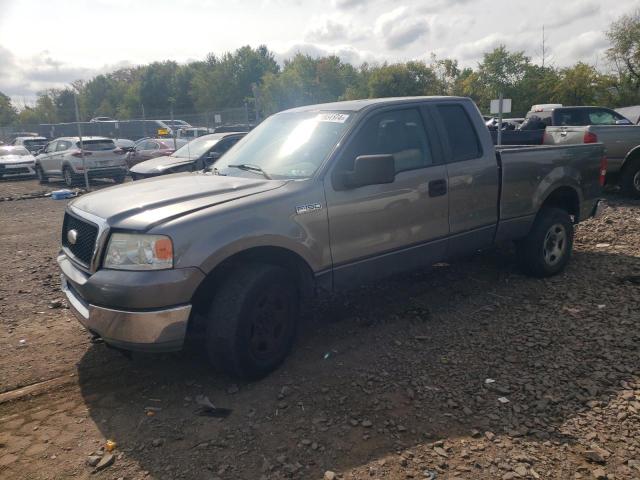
{"x": 622, "y": 147}
{"x": 319, "y": 197}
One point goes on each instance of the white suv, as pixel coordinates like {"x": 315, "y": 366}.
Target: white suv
{"x": 62, "y": 157}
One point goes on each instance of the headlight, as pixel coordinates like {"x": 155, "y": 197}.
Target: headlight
{"x": 132, "y": 251}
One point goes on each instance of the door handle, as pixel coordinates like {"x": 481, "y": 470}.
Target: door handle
{"x": 437, "y": 188}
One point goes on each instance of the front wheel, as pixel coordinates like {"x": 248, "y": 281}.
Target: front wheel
{"x": 252, "y": 320}
{"x": 630, "y": 178}
{"x": 42, "y": 178}
{"x": 547, "y": 249}
{"x": 70, "y": 179}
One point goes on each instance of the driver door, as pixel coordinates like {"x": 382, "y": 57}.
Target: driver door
{"x": 376, "y": 230}
{"x": 44, "y": 159}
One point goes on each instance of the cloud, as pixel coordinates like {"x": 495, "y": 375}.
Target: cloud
{"x": 21, "y": 78}
{"x": 586, "y": 46}
{"x": 335, "y": 30}
{"x": 346, "y": 53}
{"x": 563, "y": 14}
{"x": 400, "y": 27}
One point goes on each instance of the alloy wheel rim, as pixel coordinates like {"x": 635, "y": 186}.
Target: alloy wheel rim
{"x": 269, "y": 329}
{"x": 636, "y": 181}
{"x": 555, "y": 244}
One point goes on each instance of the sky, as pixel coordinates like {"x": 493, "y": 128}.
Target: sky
{"x": 50, "y": 43}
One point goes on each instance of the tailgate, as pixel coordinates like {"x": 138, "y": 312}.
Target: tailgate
{"x": 564, "y": 135}
{"x": 103, "y": 153}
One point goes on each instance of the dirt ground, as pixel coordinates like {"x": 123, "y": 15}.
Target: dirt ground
{"x": 468, "y": 370}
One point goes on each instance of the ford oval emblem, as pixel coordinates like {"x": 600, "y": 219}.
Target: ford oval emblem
{"x": 72, "y": 236}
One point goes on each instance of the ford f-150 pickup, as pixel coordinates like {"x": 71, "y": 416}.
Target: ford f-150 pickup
{"x": 319, "y": 197}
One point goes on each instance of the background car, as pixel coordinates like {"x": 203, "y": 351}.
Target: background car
{"x": 195, "y": 155}
{"x": 62, "y": 157}
{"x": 193, "y": 132}
{"x": 33, "y": 144}
{"x": 148, "y": 148}
{"x": 16, "y": 160}
{"x": 102, "y": 119}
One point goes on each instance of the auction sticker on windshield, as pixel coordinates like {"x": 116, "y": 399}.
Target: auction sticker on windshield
{"x": 333, "y": 117}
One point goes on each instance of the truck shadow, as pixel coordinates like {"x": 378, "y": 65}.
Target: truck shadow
{"x": 411, "y": 355}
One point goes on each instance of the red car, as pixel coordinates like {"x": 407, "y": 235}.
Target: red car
{"x": 148, "y": 148}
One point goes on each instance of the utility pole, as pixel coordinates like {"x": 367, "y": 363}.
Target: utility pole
{"x": 173, "y": 127}
{"x": 544, "y": 45}
{"x": 500, "y": 118}
{"x": 84, "y": 164}
{"x": 144, "y": 122}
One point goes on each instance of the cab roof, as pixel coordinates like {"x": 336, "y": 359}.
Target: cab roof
{"x": 358, "y": 105}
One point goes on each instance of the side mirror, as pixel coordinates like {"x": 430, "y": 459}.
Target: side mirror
{"x": 623, "y": 122}
{"x": 370, "y": 170}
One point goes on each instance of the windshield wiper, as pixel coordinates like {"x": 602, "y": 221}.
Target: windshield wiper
{"x": 251, "y": 168}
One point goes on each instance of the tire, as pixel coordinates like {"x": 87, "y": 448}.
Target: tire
{"x": 119, "y": 179}
{"x": 42, "y": 178}
{"x": 70, "y": 179}
{"x": 252, "y": 321}
{"x": 630, "y": 178}
{"x": 547, "y": 249}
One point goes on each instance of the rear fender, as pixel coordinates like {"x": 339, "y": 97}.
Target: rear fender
{"x": 559, "y": 177}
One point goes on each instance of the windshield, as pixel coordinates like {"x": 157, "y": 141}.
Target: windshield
{"x": 18, "y": 151}
{"x": 288, "y": 145}
{"x": 196, "y": 148}
{"x": 34, "y": 143}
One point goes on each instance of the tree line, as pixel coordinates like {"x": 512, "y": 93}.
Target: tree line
{"x": 251, "y": 76}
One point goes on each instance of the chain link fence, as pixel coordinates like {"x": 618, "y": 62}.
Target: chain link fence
{"x": 134, "y": 129}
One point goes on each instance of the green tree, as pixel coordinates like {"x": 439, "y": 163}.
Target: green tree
{"x": 578, "y": 85}
{"x": 8, "y": 113}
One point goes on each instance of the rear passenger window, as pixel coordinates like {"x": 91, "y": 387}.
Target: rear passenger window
{"x": 462, "y": 136}
{"x": 399, "y": 133}
{"x": 63, "y": 145}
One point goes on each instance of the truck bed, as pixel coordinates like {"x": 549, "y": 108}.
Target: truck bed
{"x": 528, "y": 173}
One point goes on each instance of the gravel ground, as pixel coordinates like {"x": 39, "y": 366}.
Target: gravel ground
{"x": 468, "y": 370}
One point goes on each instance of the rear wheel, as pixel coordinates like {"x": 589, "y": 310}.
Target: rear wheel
{"x": 252, "y": 320}
{"x": 630, "y": 179}
{"x": 547, "y": 248}
{"x": 69, "y": 177}
{"x": 42, "y": 178}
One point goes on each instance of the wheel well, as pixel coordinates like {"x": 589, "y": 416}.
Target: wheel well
{"x": 566, "y": 199}
{"x": 634, "y": 155}
{"x": 281, "y": 257}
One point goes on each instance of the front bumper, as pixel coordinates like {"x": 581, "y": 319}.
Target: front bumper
{"x": 17, "y": 169}
{"x": 121, "y": 306}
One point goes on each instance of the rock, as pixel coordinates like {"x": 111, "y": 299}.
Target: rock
{"x": 521, "y": 470}
{"x": 597, "y": 455}
{"x": 489, "y": 435}
{"x": 105, "y": 461}
{"x": 306, "y": 442}
{"x": 156, "y": 442}
{"x": 55, "y": 303}
{"x": 329, "y": 475}
{"x": 599, "y": 474}
{"x": 367, "y": 423}
{"x": 93, "y": 460}
{"x": 440, "y": 451}
{"x": 402, "y": 428}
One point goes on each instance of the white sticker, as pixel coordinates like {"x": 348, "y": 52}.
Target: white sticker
{"x": 332, "y": 117}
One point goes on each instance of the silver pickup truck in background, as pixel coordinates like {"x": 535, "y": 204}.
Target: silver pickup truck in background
{"x": 319, "y": 197}
{"x": 622, "y": 147}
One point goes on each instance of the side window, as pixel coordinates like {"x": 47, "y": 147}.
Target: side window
{"x": 226, "y": 144}
{"x": 400, "y": 133}
{"x": 51, "y": 147}
{"x": 63, "y": 145}
{"x": 462, "y": 135}
{"x": 601, "y": 117}
{"x": 572, "y": 118}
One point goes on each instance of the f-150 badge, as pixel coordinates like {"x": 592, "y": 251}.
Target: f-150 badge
{"x": 308, "y": 208}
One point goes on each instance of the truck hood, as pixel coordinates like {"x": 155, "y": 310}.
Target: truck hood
{"x": 144, "y": 204}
